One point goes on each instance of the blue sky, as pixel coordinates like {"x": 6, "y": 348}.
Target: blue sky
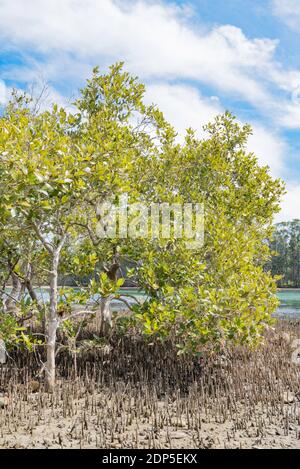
{"x": 197, "y": 58}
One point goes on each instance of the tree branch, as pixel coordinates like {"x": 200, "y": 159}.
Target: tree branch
{"x": 78, "y": 313}
{"x": 48, "y": 246}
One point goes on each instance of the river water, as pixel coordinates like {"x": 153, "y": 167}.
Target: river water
{"x": 289, "y": 300}
{"x": 289, "y": 303}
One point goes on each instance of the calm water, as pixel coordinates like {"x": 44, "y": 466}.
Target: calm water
{"x": 289, "y": 303}
{"x": 43, "y": 295}
{"x": 289, "y": 300}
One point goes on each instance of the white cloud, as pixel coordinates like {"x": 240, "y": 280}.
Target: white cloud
{"x": 289, "y": 115}
{"x": 288, "y": 11}
{"x": 3, "y": 92}
{"x": 45, "y": 95}
{"x": 269, "y": 148}
{"x": 156, "y": 41}
{"x": 290, "y": 206}
{"x": 184, "y": 107}
{"x": 160, "y": 44}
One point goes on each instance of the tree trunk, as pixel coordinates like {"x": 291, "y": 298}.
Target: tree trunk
{"x": 2, "y": 352}
{"x": 10, "y": 304}
{"x": 34, "y": 298}
{"x": 104, "y": 322}
{"x": 52, "y": 325}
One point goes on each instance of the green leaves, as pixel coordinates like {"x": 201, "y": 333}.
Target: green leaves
{"x": 56, "y": 169}
{"x": 104, "y": 286}
{"x": 15, "y": 335}
{"x": 220, "y": 292}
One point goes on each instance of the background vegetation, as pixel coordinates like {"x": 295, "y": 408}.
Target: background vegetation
{"x": 286, "y": 260}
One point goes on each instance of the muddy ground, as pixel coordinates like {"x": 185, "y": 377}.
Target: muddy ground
{"x": 133, "y": 395}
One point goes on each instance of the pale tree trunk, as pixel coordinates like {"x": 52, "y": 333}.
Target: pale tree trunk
{"x": 52, "y": 324}
{"x": 104, "y": 321}
{"x": 28, "y": 285}
{"x": 52, "y": 319}
{"x": 105, "y": 305}
{"x": 2, "y": 352}
{"x": 10, "y": 307}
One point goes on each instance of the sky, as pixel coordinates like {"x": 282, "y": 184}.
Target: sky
{"x": 197, "y": 58}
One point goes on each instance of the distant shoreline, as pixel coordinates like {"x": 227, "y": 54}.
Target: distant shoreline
{"x": 46, "y": 287}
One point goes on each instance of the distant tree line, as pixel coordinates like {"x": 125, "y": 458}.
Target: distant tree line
{"x": 286, "y": 259}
